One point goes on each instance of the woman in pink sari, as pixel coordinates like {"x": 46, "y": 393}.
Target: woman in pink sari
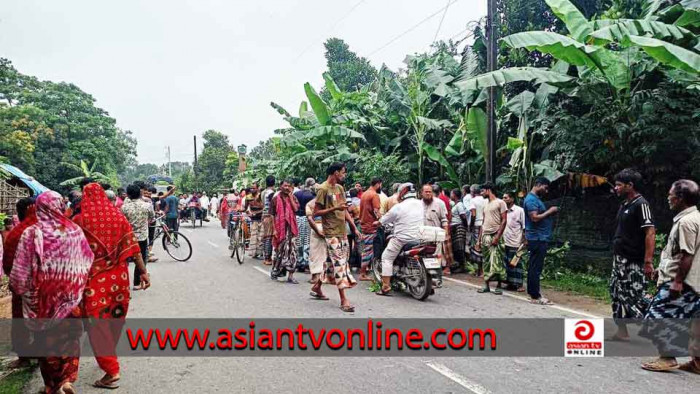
{"x": 50, "y": 273}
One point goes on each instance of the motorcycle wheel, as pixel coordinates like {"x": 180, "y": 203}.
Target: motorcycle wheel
{"x": 422, "y": 290}
{"x": 377, "y": 269}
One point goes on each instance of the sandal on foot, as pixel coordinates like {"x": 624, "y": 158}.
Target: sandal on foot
{"x": 293, "y": 281}
{"x": 660, "y": 365}
{"x": 111, "y": 385}
{"x": 484, "y": 290}
{"x": 541, "y": 301}
{"x": 384, "y": 292}
{"x": 691, "y": 366}
{"x": 498, "y": 292}
{"x": 347, "y": 308}
{"x": 364, "y": 278}
{"x": 321, "y": 297}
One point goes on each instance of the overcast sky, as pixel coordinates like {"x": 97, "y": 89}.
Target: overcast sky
{"x": 170, "y": 69}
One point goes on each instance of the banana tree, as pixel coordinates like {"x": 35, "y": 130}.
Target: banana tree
{"x": 86, "y": 171}
{"x": 588, "y": 45}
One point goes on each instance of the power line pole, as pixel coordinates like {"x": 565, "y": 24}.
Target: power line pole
{"x": 194, "y": 167}
{"x": 492, "y": 63}
{"x": 170, "y": 169}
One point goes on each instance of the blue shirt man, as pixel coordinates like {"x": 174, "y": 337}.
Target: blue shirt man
{"x": 541, "y": 230}
{"x": 538, "y": 232}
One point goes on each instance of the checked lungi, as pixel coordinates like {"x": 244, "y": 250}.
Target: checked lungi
{"x": 303, "y": 243}
{"x": 673, "y": 325}
{"x": 493, "y": 259}
{"x": 627, "y": 284}
{"x": 368, "y": 248}
{"x": 268, "y": 225}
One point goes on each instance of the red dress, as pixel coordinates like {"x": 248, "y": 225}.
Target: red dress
{"x": 106, "y": 296}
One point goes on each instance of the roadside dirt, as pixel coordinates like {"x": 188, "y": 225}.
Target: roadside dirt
{"x": 561, "y": 298}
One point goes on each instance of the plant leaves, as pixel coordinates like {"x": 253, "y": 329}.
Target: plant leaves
{"x": 575, "y": 21}
{"x": 608, "y": 30}
{"x": 303, "y": 109}
{"x": 435, "y": 155}
{"x": 318, "y": 105}
{"x": 279, "y": 109}
{"x": 668, "y": 54}
{"x": 507, "y": 75}
{"x": 519, "y": 104}
{"x": 560, "y": 46}
{"x": 331, "y": 86}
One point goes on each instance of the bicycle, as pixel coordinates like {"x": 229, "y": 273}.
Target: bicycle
{"x": 175, "y": 244}
{"x": 193, "y": 216}
{"x": 237, "y": 241}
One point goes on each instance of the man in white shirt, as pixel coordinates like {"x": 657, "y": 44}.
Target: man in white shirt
{"x": 407, "y": 217}
{"x": 204, "y": 200}
{"x": 214, "y": 205}
{"x": 516, "y": 245}
{"x": 476, "y": 212}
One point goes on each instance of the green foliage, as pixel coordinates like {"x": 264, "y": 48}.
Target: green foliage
{"x": 212, "y": 163}
{"x": 43, "y": 123}
{"x": 349, "y": 71}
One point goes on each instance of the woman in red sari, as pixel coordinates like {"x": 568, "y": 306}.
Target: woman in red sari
{"x": 112, "y": 240}
{"x": 26, "y": 213}
{"x": 50, "y": 272}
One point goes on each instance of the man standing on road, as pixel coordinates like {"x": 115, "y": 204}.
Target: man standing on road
{"x": 204, "y": 200}
{"x": 283, "y": 208}
{"x": 458, "y": 231}
{"x": 633, "y": 252}
{"x": 267, "y": 220}
{"x": 678, "y": 295}
{"x": 304, "y": 196}
{"x": 435, "y": 215}
{"x": 370, "y": 205}
{"x": 171, "y": 211}
{"x": 139, "y": 213}
{"x": 516, "y": 244}
{"x": 538, "y": 232}
{"x": 332, "y": 206}
{"x": 495, "y": 220}
{"x": 254, "y": 210}
{"x": 214, "y": 205}
{"x": 318, "y": 252}
{"x": 476, "y": 211}
{"x": 448, "y": 256}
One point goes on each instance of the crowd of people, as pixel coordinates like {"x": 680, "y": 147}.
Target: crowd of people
{"x": 321, "y": 229}
{"x": 67, "y": 258}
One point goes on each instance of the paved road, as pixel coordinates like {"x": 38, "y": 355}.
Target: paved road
{"x": 211, "y": 285}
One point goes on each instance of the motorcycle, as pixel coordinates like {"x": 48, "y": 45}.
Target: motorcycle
{"x": 417, "y": 268}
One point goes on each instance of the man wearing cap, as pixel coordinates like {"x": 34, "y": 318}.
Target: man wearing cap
{"x": 304, "y": 196}
{"x": 407, "y": 217}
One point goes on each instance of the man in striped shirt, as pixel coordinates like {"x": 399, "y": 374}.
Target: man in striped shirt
{"x": 633, "y": 250}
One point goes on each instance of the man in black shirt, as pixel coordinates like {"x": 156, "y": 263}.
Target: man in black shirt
{"x": 633, "y": 249}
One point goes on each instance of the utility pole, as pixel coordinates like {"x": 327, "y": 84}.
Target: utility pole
{"x": 170, "y": 169}
{"x": 194, "y": 167}
{"x": 491, "y": 63}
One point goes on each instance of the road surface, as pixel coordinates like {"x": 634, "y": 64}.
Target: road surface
{"x": 211, "y": 285}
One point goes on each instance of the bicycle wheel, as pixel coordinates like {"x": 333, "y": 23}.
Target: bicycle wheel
{"x": 240, "y": 245}
{"x": 177, "y": 246}
{"x": 233, "y": 240}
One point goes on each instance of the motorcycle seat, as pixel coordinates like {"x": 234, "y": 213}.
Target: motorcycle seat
{"x": 408, "y": 247}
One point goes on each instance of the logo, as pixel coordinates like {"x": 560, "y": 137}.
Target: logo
{"x": 583, "y": 338}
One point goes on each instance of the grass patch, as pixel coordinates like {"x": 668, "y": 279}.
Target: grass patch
{"x": 578, "y": 283}
{"x": 16, "y": 381}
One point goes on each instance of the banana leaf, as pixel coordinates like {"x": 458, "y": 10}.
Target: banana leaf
{"x": 508, "y": 75}
{"x": 575, "y": 21}
{"x": 318, "y": 105}
{"x": 331, "y": 87}
{"x": 609, "y": 30}
{"x": 435, "y": 155}
{"x": 668, "y": 54}
{"x": 560, "y": 46}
